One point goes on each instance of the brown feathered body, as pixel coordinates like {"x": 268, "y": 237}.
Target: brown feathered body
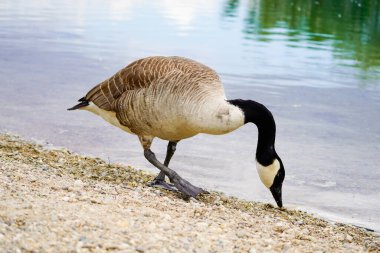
{"x": 167, "y": 97}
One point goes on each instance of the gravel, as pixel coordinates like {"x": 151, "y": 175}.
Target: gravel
{"x": 54, "y": 201}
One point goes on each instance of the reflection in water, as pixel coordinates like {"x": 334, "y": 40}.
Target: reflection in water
{"x": 230, "y": 8}
{"x": 352, "y": 28}
{"x": 184, "y": 14}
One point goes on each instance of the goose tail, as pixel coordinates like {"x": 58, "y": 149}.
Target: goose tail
{"x": 83, "y": 102}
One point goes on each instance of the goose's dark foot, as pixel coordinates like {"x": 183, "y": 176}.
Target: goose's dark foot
{"x": 159, "y": 183}
{"x": 186, "y": 188}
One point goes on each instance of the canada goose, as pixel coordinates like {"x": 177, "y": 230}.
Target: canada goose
{"x": 174, "y": 98}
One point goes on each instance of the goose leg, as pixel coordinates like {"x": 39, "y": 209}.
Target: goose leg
{"x": 159, "y": 181}
{"x": 181, "y": 184}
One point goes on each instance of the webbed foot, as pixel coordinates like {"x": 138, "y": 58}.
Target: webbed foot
{"x": 159, "y": 183}
{"x": 186, "y": 188}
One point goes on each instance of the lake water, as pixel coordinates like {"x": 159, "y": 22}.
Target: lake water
{"x": 315, "y": 64}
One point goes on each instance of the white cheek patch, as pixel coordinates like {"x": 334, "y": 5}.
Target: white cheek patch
{"x": 268, "y": 173}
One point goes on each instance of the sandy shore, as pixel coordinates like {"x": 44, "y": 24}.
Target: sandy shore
{"x": 56, "y": 201}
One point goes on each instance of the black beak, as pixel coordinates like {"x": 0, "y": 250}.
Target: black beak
{"x": 276, "y": 192}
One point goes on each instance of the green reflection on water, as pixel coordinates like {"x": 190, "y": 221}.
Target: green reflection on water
{"x": 350, "y": 28}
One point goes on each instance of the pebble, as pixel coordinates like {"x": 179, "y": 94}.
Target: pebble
{"x": 166, "y": 216}
{"x": 349, "y": 238}
{"x": 286, "y": 247}
{"x": 201, "y": 225}
{"x": 340, "y": 237}
{"x": 78, "y": 183}
{"x": 95, "y": 201}
{"x": 123, "y": 224}
{"x": 305, "y": 231}
{"x": 124, "y": 246}
{"x": 140, "y": 249}
{"x": 54, "y": 217}
{"x": 279, "y": 227}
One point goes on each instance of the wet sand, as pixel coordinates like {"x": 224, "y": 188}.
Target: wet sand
{"x": 54, "y": 200}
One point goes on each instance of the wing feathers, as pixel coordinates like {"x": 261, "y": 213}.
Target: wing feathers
{"x": 146, "y": 72}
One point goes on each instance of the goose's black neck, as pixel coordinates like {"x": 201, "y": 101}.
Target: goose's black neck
{"x": 259, "y": 115}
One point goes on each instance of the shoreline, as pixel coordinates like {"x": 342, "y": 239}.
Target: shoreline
{"x": 55, "y": 200}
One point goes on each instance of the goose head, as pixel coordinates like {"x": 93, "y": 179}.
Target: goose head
{"x": 272, "y": 176}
